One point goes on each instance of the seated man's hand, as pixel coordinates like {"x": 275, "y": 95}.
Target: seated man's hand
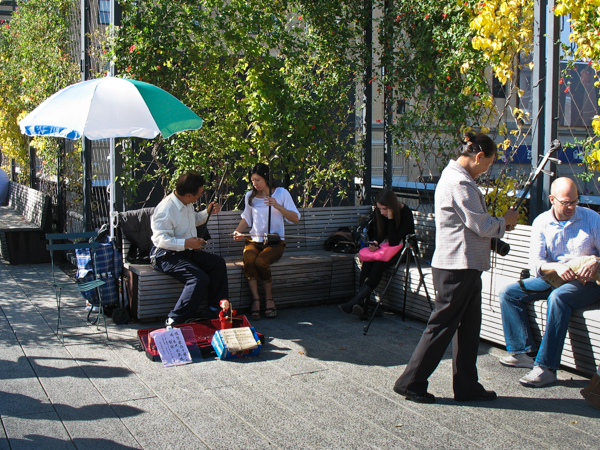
{"x": 213, "y": 208}
{"x": 565, "y": 272}
{"x": 237, "y": 236}
{"x": 587, "y": 271}
{"x": 195, "y": 243}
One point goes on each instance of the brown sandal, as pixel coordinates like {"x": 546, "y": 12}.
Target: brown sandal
{"x": 255, "y": 312}
{"x": 270, "y": 312}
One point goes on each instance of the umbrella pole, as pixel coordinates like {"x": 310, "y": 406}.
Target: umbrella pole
{"x": 111, "y": 188}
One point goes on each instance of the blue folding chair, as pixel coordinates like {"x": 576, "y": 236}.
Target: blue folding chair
{"x": 88, "y": 286}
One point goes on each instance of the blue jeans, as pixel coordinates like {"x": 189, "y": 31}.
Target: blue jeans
{"x": 561, "y": 301}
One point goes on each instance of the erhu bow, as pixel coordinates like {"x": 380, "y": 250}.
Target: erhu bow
{"x": 271, "y": 238}
{"x": 202, "y": 229}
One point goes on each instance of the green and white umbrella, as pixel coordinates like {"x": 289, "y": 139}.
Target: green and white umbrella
{"x": 109, "y": 108}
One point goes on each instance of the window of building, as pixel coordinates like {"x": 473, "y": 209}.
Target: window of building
{"x": 498, "y": 89}
{"x": 104, "y": 12}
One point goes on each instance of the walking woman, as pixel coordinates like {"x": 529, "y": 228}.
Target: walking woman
{"x": 259, "y": 256}
{"x": 464, "y": 231}
{"x": 393, "y": 222}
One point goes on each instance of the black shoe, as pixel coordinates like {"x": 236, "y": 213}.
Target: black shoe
{"x": 346, "y": 307}
{"x": 363, "y": 293}
{"x": 417, "y": 398}
{"x": 170, "y": 322}
{"x": 208, "y": 313}
{"x": 373, "y": 308}
{"x": 360, "y": 311}
{"x": 483, "y": 396}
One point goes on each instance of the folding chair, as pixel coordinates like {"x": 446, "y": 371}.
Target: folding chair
{"x": 96, "y": 283}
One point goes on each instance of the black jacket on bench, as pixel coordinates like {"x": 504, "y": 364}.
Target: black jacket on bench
{"x": 136, "y": 226}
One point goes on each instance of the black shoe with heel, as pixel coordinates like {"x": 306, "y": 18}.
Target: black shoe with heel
{"x": 363, "y": 293}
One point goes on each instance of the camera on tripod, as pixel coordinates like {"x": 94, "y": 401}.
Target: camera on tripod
{"x": 413, "y": 239}
{"x": 500, "y": 247}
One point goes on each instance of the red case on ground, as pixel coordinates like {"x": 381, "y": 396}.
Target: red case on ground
{"x": 203, "y": 333}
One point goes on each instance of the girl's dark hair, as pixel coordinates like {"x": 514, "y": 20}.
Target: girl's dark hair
{"x": 389, "y": 200}
{"x": 261, "y": 170}
{"x": 189, "y": 183}
{"x": 475, "y": 143}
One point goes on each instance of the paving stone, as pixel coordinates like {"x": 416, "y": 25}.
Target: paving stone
{"x": 37, "y": 431}
{"x": 319, "y": 382}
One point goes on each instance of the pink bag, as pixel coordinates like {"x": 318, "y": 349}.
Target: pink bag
{"x": 385, "y": 252}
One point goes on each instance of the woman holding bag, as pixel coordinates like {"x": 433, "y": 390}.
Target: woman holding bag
{"x": 393, "y": 222}
{"x": 266, "y": 209}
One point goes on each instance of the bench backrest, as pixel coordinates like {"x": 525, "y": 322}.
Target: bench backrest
{"x": 315, "y": 223}
{"x": 511, "y": 264}
{"x": 425, "y": 229}
{"x": 518, "y": 256}
{"x": 33, "y": 205}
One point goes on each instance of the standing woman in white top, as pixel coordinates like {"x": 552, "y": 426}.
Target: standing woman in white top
{"x": 463, "y": 235}
{"x": 258, "y": 257}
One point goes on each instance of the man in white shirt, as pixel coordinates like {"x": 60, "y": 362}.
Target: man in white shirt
{"x": 178, "y": 251}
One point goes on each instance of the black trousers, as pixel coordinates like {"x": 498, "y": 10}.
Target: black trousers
{"x": 203, "y": 274}
{"x": 371, "y": 272}
{"x": 457, "y": 315}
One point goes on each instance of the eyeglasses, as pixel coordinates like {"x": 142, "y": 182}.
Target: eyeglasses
{"x": 565, "y": 203}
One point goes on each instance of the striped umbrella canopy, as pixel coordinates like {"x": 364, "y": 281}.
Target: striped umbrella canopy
{"x": 110, "y": 108}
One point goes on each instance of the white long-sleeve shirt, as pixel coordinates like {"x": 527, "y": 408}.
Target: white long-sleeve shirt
{"x": 257, "y": 214}
{"x": 173, "y": 223}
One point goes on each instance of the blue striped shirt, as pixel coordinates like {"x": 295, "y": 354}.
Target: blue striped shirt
{"x": 553, "y": 241}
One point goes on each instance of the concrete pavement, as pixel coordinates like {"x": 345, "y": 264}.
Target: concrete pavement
{"x": 318, "y": 383}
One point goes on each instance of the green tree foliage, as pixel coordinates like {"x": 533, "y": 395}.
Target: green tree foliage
{"x": 268, "y": 77}
{"x": 35, "y": 62}
{"x": 435, "y": 72}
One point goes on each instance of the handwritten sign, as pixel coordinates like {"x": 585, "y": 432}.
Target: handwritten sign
{"x": 171, "y": 347}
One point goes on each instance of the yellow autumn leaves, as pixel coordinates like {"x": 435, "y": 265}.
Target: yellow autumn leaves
{"x": 503, "y": 30}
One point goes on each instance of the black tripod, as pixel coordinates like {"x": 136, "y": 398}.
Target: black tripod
{"x": 411, "y": 247}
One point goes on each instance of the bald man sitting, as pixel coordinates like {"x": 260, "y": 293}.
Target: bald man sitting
{"x": 562, "y": 234}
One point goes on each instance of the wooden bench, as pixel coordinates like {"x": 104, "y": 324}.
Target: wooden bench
{"x": 306, "y": 274}
{"x": 23, "y": 225}
{"x": 582, "y": 345}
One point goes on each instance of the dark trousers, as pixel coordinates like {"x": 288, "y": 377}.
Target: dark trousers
{"x": 371, "y": 272}
{"x": 457, "y": 315}
{"x": 203, "y": 274}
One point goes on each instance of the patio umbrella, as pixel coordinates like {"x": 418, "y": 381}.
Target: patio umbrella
{"x": 109, "y": 108}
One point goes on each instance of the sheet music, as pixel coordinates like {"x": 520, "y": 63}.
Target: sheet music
{"x": 171, "y": 347}
{"x": 239, "y": 339}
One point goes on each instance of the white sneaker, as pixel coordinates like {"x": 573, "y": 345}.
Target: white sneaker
{"x": 518, "y": 360}
{"x": 538, "y": 377}
{"x": 89, "y": 307}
